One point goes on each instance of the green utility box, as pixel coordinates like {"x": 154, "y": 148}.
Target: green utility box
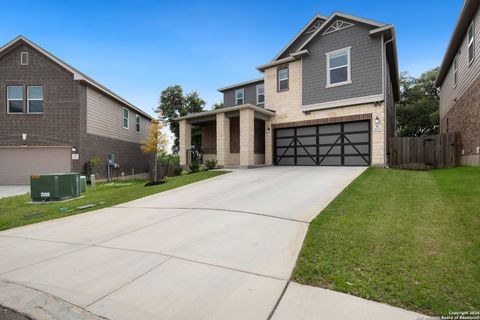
{"x": 83, "y": 184}
{"x": 55, "y": 186}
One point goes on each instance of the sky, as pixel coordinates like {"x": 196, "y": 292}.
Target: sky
{"x": 138, "y": 48}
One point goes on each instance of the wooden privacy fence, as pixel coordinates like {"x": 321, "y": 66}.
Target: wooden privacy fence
{"x": 427, "y": 152}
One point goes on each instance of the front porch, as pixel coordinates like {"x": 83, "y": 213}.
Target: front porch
{"x": 238, "y": 136}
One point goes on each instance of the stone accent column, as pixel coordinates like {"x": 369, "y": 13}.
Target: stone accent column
{"x": 268, "y": 143}
{"x": 185, "y": 142}
{"x": 223, "y": 139}
{"x": 247, "y": 136}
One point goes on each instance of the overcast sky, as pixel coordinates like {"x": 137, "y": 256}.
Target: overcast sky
{"x": 137, "y": 48}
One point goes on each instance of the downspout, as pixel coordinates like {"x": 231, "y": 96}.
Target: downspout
{"x": 385, "y": 99}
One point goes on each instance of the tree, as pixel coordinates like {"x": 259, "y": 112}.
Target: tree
{"x": 418, "y": 108}
{"x": 218, "y": 105}
{"x": 174, "y": 103}
{"x": 155, "y": 143}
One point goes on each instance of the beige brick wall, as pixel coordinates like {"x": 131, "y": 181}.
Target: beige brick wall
{"x": 247, "y": 157}
{"x": 287, "y": 106}
{"x": 268, "y": 143}
{"x": 223, "y": 139}
{"x": 185, "y": 140}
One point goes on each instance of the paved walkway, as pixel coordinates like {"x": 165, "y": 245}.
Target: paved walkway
{"x": 10, "y": 191}
{"x": 223, "y": 248}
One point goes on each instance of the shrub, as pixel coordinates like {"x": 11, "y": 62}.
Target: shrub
{"x": 194, "y": 166}
{"x": 177, "y": 170}
{"x": 211, "y": 164}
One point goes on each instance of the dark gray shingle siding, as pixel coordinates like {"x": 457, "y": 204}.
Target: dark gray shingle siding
{"x": 250, "y": 95}
{"x": 366, "y": 59}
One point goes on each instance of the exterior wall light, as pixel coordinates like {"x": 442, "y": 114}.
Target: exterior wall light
{"x": 377, "y": 121}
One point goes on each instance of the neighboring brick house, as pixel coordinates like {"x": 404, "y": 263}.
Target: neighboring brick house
{"x": 55, "y": 119}
{"x": 459, "y": 82}
{"x": 326, "y": 99}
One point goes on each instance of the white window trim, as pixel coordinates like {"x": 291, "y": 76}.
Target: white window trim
{"x": 471, "y": 43}
{"x": 23, "y": 100}
{"x": 243, "y": 97}
{"x": 455, "y": 71}
{"x": 259, "y": 85}
{"x": 280, "y": 79}
{"x": 28, "y": 99}
{"x": 349, "y": 67}
{"x": 24, "y": 54}
{"x": 125, "y": 118}
{"x": 138, "y": 122}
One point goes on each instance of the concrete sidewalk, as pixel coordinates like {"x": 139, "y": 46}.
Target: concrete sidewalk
{"x": 10, "y": 191}
{"x": 222, "y": 248}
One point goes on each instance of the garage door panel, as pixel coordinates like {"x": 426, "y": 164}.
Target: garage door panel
{"x": 286, "y": 161}
{"x": 355, "y": 126}
{"x": 330, "y": 150}
{"x": 286, "y": 151}
{"x": 19, "y": 163}
{"x": 306, "y": 161}
{"x": 357, "y": 161}
{"x": 330, "y": 128}
{"x": 285, "y": 132}
{"x": 331, "y": 161}
{"x": 312, "y": 151}
{"x": 307, "y": 140}
{"x": 325, "y": 145}
{"x": 357, "y": 148}
{"x": 357, "y": 137}
{"x": 330, "y": 139}
{"x": 305, "y": 131}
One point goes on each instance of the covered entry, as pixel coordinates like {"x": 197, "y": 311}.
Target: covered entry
{"x": 337, "y": 144}
{"x": 17, "y": 164}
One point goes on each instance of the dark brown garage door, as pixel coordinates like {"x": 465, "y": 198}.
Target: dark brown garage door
{"x": 17, "y": 164}
{"x": 339, "y": 144}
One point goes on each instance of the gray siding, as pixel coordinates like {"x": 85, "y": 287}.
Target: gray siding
{"x": 299, "y": 41}
{"x": 366, "y": 60}
{"x": 467, "y": 73}
{"x": 105, "y": 118}
{"x": 250, "y": 95}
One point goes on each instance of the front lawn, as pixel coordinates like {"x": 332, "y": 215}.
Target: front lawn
{"x": 407, "y": 238}
{"x": 15, "y": 211}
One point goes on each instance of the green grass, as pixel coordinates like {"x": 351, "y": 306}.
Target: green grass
{"x": 15, "y": 211}
{"x": 407, "y": 238}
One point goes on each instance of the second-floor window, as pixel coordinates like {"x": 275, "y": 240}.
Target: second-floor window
{"x": 239, "y": 96}
{"x": 455, "y": 70}
{"x": 35, "y": 99}
{"x": 260, "y": 93}
{"x": 338, "y": 67}
{"x": 125, "y": 118}
{"x": 282, "y": 78}
{"x": 471, "y": 42}
{"x": 15, "y": 99}
{"x": 137, "y": 123}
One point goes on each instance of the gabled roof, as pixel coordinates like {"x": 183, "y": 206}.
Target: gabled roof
{"x": 77, "y": 75}
{"x": 304, "y": 29}
{"x": 467, "y": 14}
{"x": 337, "y": 15}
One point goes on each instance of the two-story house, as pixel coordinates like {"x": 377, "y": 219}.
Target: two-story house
{"x": 326, "y": 99}
{"x": 54, "y": 118}
{"x": 459, "y": 82}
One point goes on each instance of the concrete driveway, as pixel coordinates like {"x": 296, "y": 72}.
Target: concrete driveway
{"x": 223, "y": 248}
{"x": 10, "y": 191}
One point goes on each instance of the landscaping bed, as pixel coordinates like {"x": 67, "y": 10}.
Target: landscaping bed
{"x": 15, "y": 211}
{"x": 407, "y": 238}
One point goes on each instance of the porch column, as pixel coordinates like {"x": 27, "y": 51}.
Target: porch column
{"x": 268, "y": 143}
{"x": 185, "y": 137}
{"x": 223, "y": 139}
{"x": 247, "y": 135}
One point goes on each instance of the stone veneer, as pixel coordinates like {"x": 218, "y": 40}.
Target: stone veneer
{"x": 247, "y": 138}
{"x": 287, "y": 106}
